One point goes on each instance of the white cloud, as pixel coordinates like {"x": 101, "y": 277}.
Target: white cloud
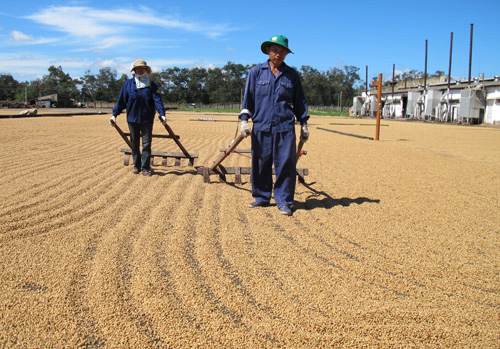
{"x": 36, "y": 65}
{"x": 107, "y": 63}
{"x": 112, "y": 41}
{"x": 116, "y": 26}
{"x": 18, "y": 36}
{"x": 76, "y": 21}
{"x": 97, "y": 34}
{"x": 201, "y": 64}
{"x": 122, "y": 65}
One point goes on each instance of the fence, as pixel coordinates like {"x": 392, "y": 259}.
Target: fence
{"x": 327, "y": 107}
{"x": 235, "y": 106}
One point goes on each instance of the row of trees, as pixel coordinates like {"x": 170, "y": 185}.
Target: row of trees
{"x": 182, "y": 85}
{"x": 55, "y": 82}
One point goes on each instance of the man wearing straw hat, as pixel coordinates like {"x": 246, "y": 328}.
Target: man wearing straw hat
{"x": 139, "y": 96}
{"x": 273, "y": 99}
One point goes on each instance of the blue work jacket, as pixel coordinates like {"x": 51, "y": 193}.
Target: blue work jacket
{"x": 274, "y": 100}
{"x": 140, "y": 103}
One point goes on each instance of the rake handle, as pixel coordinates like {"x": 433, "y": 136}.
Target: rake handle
{"x": 299, "y": 148}
{"x": 122, "y": 134}
{"x": 227, "y": 152}
{"x": 176, "y": 140}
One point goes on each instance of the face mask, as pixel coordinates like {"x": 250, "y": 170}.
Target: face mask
{"x": 142, "y": 81}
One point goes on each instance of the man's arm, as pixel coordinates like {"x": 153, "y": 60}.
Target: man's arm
{"x": 300, "y": 108}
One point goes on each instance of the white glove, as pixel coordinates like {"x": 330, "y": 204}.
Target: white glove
{"x": 163, "y": 120}
{"x": 304, "y": 133}
{"x": 112, "y": 121}
{"x": 245, "y": 129}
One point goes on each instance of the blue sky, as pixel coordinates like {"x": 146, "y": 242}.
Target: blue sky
{"x": 324, "y": 34}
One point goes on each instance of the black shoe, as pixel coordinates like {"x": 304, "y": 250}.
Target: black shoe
{"x": 135, "y": 171}
{"x": 258, "y": 203}
{"x": 146, "y": 173}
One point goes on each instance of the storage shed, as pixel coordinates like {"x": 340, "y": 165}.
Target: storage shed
{"x": 55, "y": 101}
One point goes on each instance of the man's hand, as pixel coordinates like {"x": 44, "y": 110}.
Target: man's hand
{"x": 163, "y": 120}
{"x": 112, "y": 121}
{"x": 304, "y": 133}
{"x": 245, "y": 129}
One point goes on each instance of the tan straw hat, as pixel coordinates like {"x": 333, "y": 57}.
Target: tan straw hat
{"x": 141, "y": 63}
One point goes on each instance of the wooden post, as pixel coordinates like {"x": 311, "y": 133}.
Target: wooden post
{"x": 378, "y": 85}
{"x": 206, "y": 175}
{"x": 379, "y": 97}
{"x": 237, "y": 175}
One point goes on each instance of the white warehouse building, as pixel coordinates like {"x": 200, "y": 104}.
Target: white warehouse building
{"x": 461, "y": 102}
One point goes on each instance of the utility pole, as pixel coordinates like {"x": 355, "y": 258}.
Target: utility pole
{"x": 451, "y": 54}
{"x": 393, "y": 70}
{"x": 340, "y": 102}
{"x": 425, "y": 73}
{"x": 366, "y": 82}
{"x": 470, "y": 51}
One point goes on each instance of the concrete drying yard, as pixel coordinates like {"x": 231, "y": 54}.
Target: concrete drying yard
{"x": 392, "y": 243}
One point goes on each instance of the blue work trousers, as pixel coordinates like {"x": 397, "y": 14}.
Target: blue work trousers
{"x": 138, "y": 130}
{"x": 278, "y": 148}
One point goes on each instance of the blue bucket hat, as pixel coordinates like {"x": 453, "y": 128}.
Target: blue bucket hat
{"x": 278, "y": 40}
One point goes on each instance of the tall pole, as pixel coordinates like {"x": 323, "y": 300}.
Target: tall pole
{"x": 425, "y": 71}
{"x": 393, "y": 68}
{"x": 470, "y": 51}
{"x": 366, "y": 82}
{"x": 379, "y": 98}
{"x": 451, "y": 53}
{"x": 340, "y": 102}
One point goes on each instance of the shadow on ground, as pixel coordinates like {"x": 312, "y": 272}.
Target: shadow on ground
{"x": 320, "y": 199}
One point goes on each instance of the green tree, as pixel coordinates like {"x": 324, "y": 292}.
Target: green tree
{"x": 103, "y": 87}
{"x": 411, "y": 75}
{"x": 201, "y": 85}
{"x": 342, "y": 82}
{"x": 9, "y": 88}
{"x": 59, "y": 82}
{"x": 177, "y": 84}
{"x": 107, "y": 85}
{"x": 234, "y": 76}
{"x": 438, "y": 73}
{"x": 317, "y": 89}
{"x": 351, "y": 77}
{"x": 196, "y": 86}
{"x": 89, "y": 87}
{"x": 164, "y": 81}
{"x": 214, "y": 85}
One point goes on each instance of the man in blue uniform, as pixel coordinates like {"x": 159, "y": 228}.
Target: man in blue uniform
{"x": 139, "y": 96}
{"x": 273, "y": 99}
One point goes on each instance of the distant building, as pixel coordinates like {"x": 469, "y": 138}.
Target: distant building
{"x": 54, "y": 101}
{"x": 475, "y": 102}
